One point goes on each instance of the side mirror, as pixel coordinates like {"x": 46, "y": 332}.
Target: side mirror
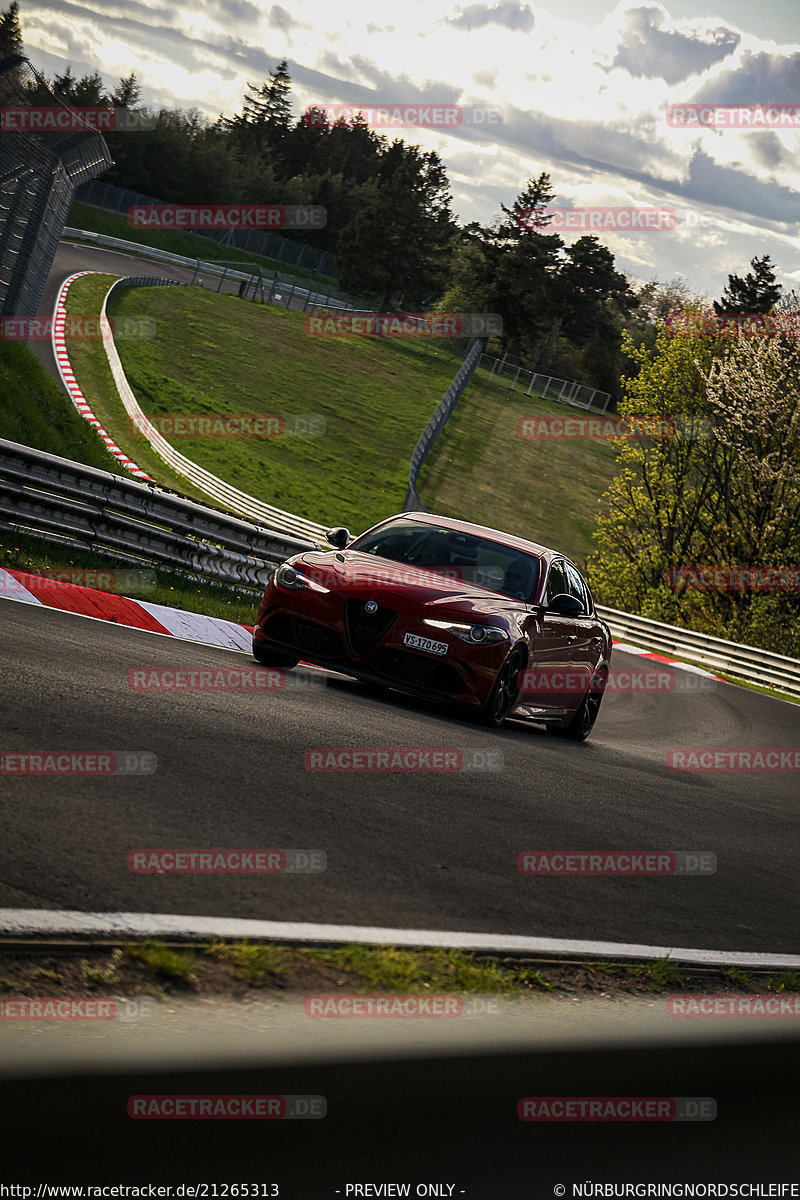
{"x": 565, "y": 606}
{"x": 338, "y": 537}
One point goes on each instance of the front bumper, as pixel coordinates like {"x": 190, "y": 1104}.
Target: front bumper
{"x": 332, "y": 630}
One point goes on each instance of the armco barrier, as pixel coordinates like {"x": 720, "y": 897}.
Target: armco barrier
{"x": 743, "y": 662}
{"x": 88, "y": 509}
{"x": 208, "y": 267}
{"x": 79, "y": 506}
{"x": 437, "y": 422}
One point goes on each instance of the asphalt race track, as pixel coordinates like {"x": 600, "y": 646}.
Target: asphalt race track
{"x": 423, "y": 850}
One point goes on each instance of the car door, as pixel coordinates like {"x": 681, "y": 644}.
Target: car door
{"x": 587, "y": 645}
{"x": 547, "y": 685}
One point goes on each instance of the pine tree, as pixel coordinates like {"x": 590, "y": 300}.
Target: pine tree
{"x": 127, "y": 93}
{"x": 11, "y": 48}
{"x": 10, "y": 32}
{"x": 756, "y": 293}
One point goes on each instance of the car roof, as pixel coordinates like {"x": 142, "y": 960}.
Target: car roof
{"x": 497, "y": 535}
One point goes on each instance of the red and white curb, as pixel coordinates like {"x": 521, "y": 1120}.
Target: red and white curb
{"x": 36, "y": 922}
{"x": 192, "y": 627}
{"x": 625, "y": 648}
{"x": 122, "y": 610}
{"x": 71, "y": 384}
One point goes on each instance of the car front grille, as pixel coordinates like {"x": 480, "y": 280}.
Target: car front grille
{"x": 417, "y": 671}
{"x": 304, "y": 635}
{"x": 364, "y": 630}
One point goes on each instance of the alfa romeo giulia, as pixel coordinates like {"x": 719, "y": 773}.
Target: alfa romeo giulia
{"x": 492, "y": 623}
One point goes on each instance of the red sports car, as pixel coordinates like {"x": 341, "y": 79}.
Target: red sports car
{"x": 448, "y": 610}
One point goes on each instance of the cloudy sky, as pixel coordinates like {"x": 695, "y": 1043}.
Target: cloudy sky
{"x": 578, "y": 89}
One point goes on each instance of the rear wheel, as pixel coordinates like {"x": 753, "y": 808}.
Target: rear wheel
{"x": 505, "y": 692}
{"x": 585, "y": 716}
{"x": 269, "y": 657}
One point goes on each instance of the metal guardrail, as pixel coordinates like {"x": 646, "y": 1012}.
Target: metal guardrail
{"x": 89, "y": 509}
{"x": 438, "y": 421}
{"x": 209, "y": 267}
{"x": 743, "y": 662}
{"x": 85, "y": 508}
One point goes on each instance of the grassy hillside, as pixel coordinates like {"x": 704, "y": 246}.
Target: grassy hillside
{"x": 35, "y": 412}
{"x": 545, "y": 490}
{"x": 217, "y": 354}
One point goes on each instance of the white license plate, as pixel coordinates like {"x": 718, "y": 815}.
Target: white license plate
{"x": 421, "y": 643}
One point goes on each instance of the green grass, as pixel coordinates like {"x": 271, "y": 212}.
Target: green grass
{"x": 258, "y": 963}
{"x": 35, "y": 412}
{"x": 394, "y": 970}
{"x": 190, "y": 245}
{"x": 736, "y": 975}
{"x": 216, "y": 354}
{"x": 544, "y": 490}
{"x": 660, "y": 973}
{"x": 102, "y": 976}
{"x": 175, "y": 965}
{"x": 90, "y": 365}
{"x": 46, "y": 975}
{"x": 786, "y": 981}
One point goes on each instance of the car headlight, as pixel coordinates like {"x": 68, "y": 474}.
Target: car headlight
{"x": 476, "y": 635}
{"x": 288, "y": 576}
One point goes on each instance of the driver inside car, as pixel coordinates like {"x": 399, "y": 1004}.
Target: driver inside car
{"x": 519, "y": 580}
{"x": 434, "y": 552}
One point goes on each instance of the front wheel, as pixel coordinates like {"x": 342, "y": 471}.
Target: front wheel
{"x": 585, "y": 716}
{"x": 505, "y": 692}
{"x": 268, "y": 657}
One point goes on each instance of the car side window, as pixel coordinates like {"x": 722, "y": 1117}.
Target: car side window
{"x": 577, "y": 587}
{"x": 556, "y": 581}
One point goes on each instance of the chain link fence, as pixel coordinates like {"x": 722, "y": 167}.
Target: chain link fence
{"x": 437, "y": 423}
{"x": 254, "y": 241}
{"x": 39, "y": 174}
{"x": 565, "y": 391}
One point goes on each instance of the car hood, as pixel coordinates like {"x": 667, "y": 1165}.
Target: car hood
{"x": 365, "y": 575}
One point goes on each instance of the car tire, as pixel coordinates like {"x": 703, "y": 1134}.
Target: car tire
{"x": 505, "y": 691}
{"x": 269, "y": 657}
{"x": 585, "y": 716}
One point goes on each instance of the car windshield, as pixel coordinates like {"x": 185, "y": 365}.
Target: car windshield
{"x": 459, "y": 556}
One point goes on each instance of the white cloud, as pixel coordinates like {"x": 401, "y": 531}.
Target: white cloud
{"x": 583, "y": 101}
